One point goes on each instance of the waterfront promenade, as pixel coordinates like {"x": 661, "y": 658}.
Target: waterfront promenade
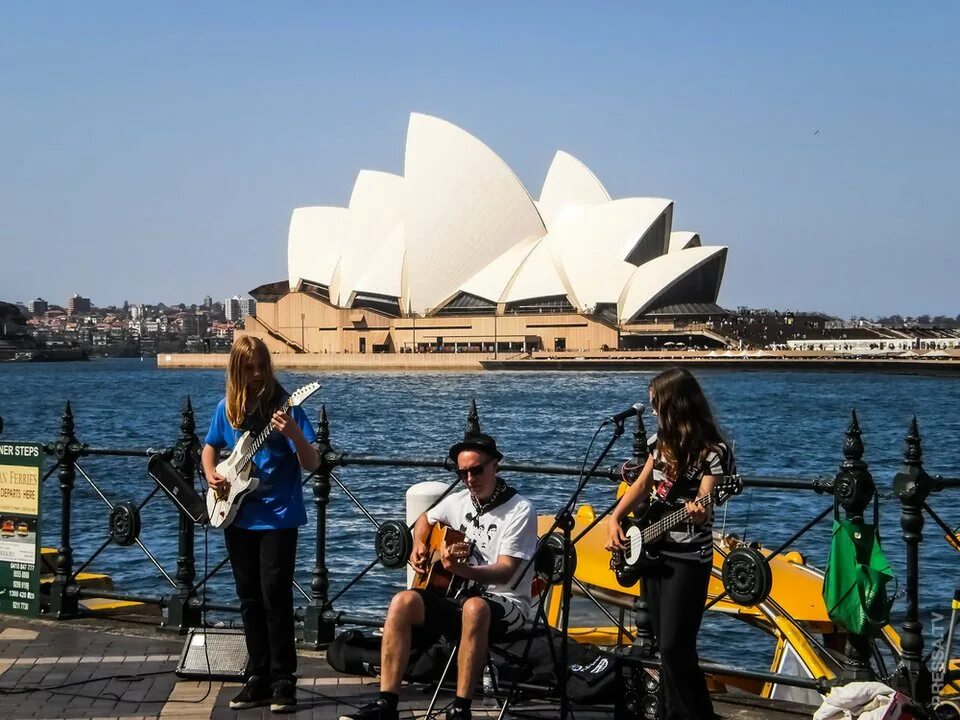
{"x": 98, "y": 668}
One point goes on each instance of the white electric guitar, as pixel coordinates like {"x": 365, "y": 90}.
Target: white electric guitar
{"x": 222, "y": 505}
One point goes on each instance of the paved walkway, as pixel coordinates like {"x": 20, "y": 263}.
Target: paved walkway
{"x": 101, "y": 669}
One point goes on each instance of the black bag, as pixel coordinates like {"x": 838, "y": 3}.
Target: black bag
{"x": 593, "y": 678}
{"x": 354, "y": 653}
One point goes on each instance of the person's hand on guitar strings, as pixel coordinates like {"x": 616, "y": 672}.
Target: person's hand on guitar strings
{"x": 697, "y": 513}
{"x": 218, "y": 483}
{"x": 616, "y": 538}
{"x": 285, "y": 425}
{"x": 420, "y": 557}
{"x": 454, "y": 556}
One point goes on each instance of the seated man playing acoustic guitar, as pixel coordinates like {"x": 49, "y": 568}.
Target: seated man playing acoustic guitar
{"x": 501, "y": 530}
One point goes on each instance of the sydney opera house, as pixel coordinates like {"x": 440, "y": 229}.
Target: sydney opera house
{"x": 455, "y": 255}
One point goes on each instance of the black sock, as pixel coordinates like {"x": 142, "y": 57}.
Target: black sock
{"x": 391, "y": 699}
{"x": 462, "y": 703}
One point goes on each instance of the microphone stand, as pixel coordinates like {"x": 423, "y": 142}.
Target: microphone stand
{"x": 564, "y": 520}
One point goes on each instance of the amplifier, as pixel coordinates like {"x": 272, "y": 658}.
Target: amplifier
{"x": 214, "y": 653}
{"x": 177, "y": 489}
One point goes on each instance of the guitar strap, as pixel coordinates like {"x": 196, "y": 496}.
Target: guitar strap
{"x": 726, "y": 461}
{"x": 256, "y": 420}
{"x": 672, "y": 486}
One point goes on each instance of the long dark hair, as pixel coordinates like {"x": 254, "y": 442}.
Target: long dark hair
{"x": 687, "y": 428}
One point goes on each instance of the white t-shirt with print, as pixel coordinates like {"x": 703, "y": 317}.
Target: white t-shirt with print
{"x": 509, "y": 529}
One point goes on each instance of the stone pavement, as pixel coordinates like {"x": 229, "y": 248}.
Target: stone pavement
{"x": 104, "y": 669}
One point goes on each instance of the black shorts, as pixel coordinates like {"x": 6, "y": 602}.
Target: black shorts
{"x": 444, "y": 616}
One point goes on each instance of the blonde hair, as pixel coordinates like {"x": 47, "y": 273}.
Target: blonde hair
{"x": 246, "y": 349}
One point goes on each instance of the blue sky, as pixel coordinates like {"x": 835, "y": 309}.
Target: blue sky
{"x": 154, "y": 153}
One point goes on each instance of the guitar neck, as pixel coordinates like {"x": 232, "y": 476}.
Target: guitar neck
{"x": 260, "y": 439}
{"x": 665, "y": 524}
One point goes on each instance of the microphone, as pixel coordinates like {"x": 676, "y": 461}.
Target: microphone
{"x": 635, "y": 409}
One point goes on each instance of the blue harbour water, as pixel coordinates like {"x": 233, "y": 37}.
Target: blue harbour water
{"x": 787, "y": 424}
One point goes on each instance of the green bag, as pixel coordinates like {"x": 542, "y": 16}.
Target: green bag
{"x": 857, "y": 575}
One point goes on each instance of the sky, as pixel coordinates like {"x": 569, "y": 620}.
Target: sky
{"x": 155, "y": 152}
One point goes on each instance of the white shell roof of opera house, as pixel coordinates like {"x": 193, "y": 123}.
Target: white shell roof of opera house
{"x": 460, "y": 221}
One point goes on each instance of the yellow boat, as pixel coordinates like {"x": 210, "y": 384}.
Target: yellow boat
{"x": 793, "y": 616}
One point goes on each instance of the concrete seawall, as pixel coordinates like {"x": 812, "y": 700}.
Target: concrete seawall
{"x": 382, "y": 361}
{"x": 572, "y": 362}
{"x": 779, "y": 364}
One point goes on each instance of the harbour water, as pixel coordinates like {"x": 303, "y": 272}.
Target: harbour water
{"x": 786, "y": 424}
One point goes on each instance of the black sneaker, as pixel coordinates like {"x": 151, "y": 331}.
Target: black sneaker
{"x": 284, "y": 698}
{"x": 255, "y": 692}
{"x": 377, "y": 710}
{"x": 455, "y": 713}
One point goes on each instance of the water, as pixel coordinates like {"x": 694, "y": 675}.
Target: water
{"x": 788, "y": 424}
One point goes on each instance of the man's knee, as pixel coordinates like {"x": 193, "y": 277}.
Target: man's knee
{"x": 476, "y": 615}
{"x": 407, "y": 607}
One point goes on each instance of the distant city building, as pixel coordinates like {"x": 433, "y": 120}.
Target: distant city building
{"x": 39, "y": 306}
{"x": 136, "y": 313}
{"x": 156, "y": 325}
{"x": 231, "y": 309}
{"x": 248, "y": 307}
{"x": 77, "y": 304}
{"x": 207, "y": 302}
{"x": 194, "y": 323}
{"x": 235, "y": 309}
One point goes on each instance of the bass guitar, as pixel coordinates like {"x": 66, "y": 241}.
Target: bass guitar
{"x": 223, "y": 504}
{"x": 645, "y": 532}
{"x": 438, "y": 579}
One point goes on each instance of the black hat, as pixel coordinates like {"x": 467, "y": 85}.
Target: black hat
{"x": 476, "y": 441}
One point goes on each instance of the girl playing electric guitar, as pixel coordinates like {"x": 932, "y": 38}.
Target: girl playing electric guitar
{"x": 262, "y": 540}
{"x": 689, "y": 456}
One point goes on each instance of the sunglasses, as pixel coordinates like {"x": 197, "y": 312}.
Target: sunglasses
{"x": 465, "y": 473}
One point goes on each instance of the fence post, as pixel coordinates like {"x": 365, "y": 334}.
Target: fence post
{"x": 181, "y": 613}
{"x": 912, "y": 485}
{"x": 318, "y": 632}
{"x": 473, "y": 419}
{"x": 853, "y": 488}
{"x": 64, "y": 593}
{"x": 643, "y": 640}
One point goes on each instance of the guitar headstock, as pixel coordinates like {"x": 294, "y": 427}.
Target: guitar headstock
{"x": 726, "y": 487}
{"x": 299, "y": 395}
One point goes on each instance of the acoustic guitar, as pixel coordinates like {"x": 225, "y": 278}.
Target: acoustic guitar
{"x": 223, "y": 505}
{"x": 438, "y": 579}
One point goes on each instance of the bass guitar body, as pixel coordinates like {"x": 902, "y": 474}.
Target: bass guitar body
{"x": 222, "y": 506}
{"x": 438, "y": 579}
{"x": 640, "y": 556}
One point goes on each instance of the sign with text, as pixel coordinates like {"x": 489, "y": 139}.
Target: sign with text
{"x": 20, "y": 465}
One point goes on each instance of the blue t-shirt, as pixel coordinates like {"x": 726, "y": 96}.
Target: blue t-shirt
{"x": 277, "y": 503}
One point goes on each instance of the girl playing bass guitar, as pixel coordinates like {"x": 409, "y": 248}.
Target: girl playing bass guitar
{"x": 689, "y": 457}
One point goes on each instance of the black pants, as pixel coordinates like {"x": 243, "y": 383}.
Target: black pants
{"x": 263, "y": 562}
{"x": 676, "y": 594}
